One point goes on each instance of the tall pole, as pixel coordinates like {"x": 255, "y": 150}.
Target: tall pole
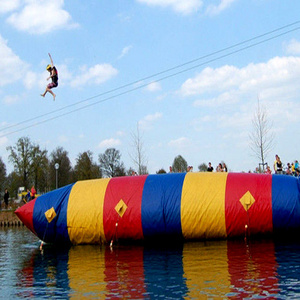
{"x": 56, "y": 166}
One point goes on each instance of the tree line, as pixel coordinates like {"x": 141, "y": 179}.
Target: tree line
{"x": 35, "y": 166}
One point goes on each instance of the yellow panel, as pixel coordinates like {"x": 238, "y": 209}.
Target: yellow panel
{"x": 203, "y": 205}
{"x": 205, "y": 267}
{"x": 85, "y": 212}
{"x": 86, "y": 266}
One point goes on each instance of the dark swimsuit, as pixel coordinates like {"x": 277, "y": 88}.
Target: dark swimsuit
{"x": 54, "y": 82}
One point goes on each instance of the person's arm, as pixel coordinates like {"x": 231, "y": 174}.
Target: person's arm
{"x": 51, "y": 60}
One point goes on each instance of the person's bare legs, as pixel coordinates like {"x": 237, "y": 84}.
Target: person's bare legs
{"x": 48, "y": 90}
{"x": 52, "y": 94}
{"x": 43, "y": 95}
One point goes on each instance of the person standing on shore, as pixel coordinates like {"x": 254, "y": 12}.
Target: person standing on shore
{"x": 33, "y": 192}
{"x": 6, "y": 197}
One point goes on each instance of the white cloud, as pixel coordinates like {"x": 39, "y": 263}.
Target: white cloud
{"x": 124, "y": 51}
{"x": 41, "y": 16}
{"x": 153, "y": 87}
{"x": 124, "y": 18}
{"x": 280, "y": 73}
{"x": 94, "y": 75}
{"x": 30, "y": 79}
{"x": 220, "y": 100}
{"x": 3, "y": 141}
{"x": 120, "y": 133}
{"x": 12, "y": 67}
{"x": 63, "y": 139}
{"x": 10, "y": 99}
{"x": 109, "y": 143}
{"x": 179, "y": 143}
{"x": 8, "y": 5}
{"x": 293, "y": 47}
{"x": 191, "y": 6}
{"x": 216, "y": 9}
{"x": 181, "y": 6}
{"x": 148, "y": 120}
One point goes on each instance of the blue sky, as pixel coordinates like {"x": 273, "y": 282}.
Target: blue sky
{"x": 107, "y": 54}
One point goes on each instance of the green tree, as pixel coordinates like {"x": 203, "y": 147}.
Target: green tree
{"x": 40, "y": 167}
{"x": 179, "y": 164}
{"x": 203, "y": 167}
{"x": 85, "y": 167}
{"x": 130, "y": 172}
{"x": 13, "y": 183}
{"x": 120, "y": 170}
{"x": 2, "y": 175}
{"x": 161, "y": 171}
{"x": 64, "y": 173}
{"x": 21, "y": 158}
{"x": 110, "y": 163}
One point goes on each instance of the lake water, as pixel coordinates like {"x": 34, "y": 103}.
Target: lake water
{"x": 261, "y": 269}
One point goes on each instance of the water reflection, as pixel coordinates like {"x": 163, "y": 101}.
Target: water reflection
{"x": 195, "y": 270}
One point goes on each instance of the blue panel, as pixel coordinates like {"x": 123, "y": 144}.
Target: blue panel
{"x": 164, "y": 273}
{"x": 56, "y": 231}
{"x": 161, "y": 203}
{"x": 50, "y": 275}
{"x": 285, "y": 203}
{"x": 288, "y": 268}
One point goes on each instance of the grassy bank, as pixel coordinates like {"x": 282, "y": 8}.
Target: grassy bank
{"x": 8, "y": 216}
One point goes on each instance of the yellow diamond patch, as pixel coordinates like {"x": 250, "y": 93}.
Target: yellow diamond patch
{"x": 121, "y": 208}
{"x": 50, "y": 214}
{"x": 247, "y": 200}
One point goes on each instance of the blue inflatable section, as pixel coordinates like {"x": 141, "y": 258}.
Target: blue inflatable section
{"x": 168, "y": 274}
{"x": 161, "y": 203}
{"x": 56, "y": 230}
{"x": 285, "y": 202}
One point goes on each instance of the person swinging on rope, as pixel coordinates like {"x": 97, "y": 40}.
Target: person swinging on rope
{"x": 54, "y": 77}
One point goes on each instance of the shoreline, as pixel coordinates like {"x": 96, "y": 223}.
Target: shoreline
{"x": 9, "y": 218}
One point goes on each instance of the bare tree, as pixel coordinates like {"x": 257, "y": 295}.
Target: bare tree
{"x": 261, "y": 138}
{"x": 138, "y": 156}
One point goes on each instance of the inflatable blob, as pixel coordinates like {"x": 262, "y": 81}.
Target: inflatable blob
{"x": 179, "y": 206}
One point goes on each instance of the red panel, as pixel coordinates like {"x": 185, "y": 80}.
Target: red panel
{"x": 258, "y": 217}
{"x": 25, "y": 214}
{"x": 253, "y": 270}
{"x": 124, "y": 273}
{"x": 129, "y": 226}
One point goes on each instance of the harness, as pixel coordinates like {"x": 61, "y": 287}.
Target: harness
{"x": 55, "y": 77}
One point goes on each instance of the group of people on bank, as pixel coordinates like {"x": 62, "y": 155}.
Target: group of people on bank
{"x": 31, "y": 194}
{"x": 221, "y": 167}
{"x": 290, "y": 169}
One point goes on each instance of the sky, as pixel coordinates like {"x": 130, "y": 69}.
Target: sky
{"x": 187, "y": 74}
